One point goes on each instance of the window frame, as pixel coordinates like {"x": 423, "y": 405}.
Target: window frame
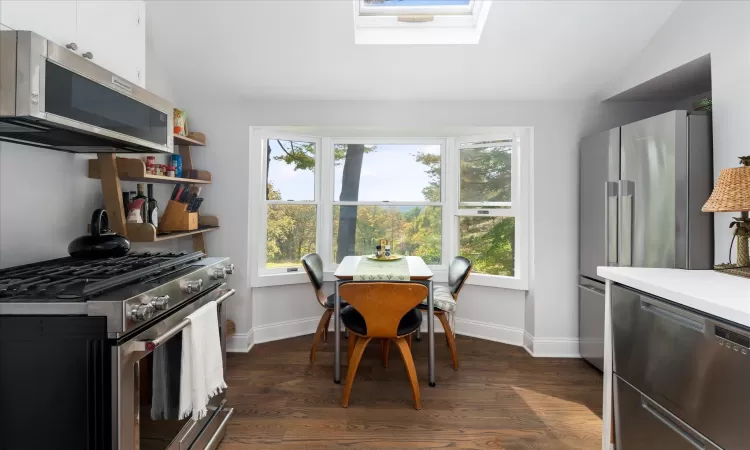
{"x": 519, "y": 206}
{"x": 522, "y": 193}
{"x": 330, "y": 192}
{"x": 449, "y": 24}
{"x": 263, "y": 216}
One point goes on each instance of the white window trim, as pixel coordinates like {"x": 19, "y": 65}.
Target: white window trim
{"x": 444, "y": 25}
{"x": 521, "y": 176}
{"x": 262, "y": 215}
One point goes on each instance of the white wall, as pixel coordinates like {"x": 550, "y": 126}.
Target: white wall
{"x": 694, "y": 29}
{"x": 552, "y": 303}
{"x": 46, "y": 197}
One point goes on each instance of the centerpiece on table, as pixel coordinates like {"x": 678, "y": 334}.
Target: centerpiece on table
{"x": 383, "y": 252}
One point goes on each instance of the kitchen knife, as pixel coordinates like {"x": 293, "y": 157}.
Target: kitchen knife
{"x": 184, "y": 195}
{"x": 175, "y": 191}
{"x": 197, "y": 204}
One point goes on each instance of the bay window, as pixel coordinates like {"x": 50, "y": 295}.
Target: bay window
{"x": 431, "y": 197}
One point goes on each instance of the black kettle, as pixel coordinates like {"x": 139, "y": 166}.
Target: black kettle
{"x": 102, "y": 243}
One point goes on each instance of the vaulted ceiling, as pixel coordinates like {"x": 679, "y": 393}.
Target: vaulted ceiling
{"x": 285, "y": 49}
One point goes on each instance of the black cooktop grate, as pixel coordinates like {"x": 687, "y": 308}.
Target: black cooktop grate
{"x": 75, "y": 279}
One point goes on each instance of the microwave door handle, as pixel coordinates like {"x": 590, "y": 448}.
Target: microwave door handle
{"x": 149, "y": 346}
{"x": 610, "y": 223}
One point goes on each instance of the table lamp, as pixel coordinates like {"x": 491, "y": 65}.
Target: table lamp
{"x": 732, "y": 194}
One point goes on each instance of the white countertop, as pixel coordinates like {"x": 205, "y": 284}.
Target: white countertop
{"x": 718, "y": 294}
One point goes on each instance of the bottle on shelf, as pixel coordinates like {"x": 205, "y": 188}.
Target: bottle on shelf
{"x": 140, "y": 196}
{"x": 152, "y": 206}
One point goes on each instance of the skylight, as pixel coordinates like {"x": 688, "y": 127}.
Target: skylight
{"x": 419, "y": 21}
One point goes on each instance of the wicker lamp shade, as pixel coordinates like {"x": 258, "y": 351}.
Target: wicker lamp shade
{"x": 732, "y": 191}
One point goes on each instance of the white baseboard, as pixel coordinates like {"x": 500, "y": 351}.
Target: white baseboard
{"x": 489, "y": 331}
{"x": 551, "y": 347}
{"x": 528, "y": 342}
{"x": 285, "y": 330}
{"x": 240, "y": 342}
{"x": 537, "y": 347}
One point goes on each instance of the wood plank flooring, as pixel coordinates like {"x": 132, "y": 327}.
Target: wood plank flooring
{"x": 501, "y": 398}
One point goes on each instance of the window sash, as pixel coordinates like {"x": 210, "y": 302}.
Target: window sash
{"x": 263, "y": 216}
{"x": 328, "y": 174}
{"x": 518, "y": 204}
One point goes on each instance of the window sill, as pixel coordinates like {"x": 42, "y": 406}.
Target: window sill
{"x": 478, "y": 279}
{"x": 440, "y": 276}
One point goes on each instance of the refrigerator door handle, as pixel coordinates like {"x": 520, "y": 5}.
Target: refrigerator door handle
{"x": 625, "y": 222}
{"x": 610, "y": 223}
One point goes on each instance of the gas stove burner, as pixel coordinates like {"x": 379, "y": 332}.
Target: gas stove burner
{"x": 76, "y": 279}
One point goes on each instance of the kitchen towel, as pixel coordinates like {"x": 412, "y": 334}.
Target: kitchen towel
{"x": 202, "y": 367}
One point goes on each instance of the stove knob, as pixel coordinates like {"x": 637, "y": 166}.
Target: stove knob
{"x": 142, "y": 313}
{"x": 160, "y": 303}
{"x": 219, "y": 273}
{"x": 194, "y": 286}
{"x": 229, "y": 268}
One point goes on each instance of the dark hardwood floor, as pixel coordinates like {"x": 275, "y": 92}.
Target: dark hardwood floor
{"x": 501, "y": 398}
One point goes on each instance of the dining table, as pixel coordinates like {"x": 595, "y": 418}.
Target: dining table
{"x": 366, "y": 269}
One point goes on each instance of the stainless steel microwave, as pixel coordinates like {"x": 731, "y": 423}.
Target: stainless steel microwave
{"x": 53, "y": 98}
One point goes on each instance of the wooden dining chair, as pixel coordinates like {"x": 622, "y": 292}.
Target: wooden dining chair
{"x": 313, "y": 265}
{"x": 381, "y": 310}
{"x": 444, "y": 300}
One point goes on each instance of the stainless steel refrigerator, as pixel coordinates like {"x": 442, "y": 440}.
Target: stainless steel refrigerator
{"x": 641, "y": 191}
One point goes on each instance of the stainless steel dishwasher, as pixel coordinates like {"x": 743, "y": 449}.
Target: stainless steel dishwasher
{"x": 682, "y": 378}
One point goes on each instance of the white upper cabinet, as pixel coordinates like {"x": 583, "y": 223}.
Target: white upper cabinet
{"x": 112, "y": 33}
{"x": 55, "y": 19}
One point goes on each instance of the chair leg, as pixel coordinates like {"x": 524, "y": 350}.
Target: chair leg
{"x": 408, "y": 341}
{"x": 385, "y": 347}
{"x": 419, "y": 335}
{"x": 325, "y": 329}
{"x": 450, "y": 338}
{"x": 319, "y": 332}
{"x": 350, "y": 346}
{"x": 410, "y": 370}
{"x": 356, "y": 357}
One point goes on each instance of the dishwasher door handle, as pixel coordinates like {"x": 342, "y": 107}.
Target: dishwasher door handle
{"x": 674, "y": 423}
{"x": 681, "y": 319}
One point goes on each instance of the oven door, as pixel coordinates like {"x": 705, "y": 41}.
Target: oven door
{"x": 147, "y": 386}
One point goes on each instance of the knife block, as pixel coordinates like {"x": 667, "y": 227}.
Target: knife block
{"x": 177, "y": 218}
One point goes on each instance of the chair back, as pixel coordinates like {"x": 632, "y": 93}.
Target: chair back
{"x": 313, "y": 264}
{"x": 383, "y": 304}
{"x": 458, "y": 272}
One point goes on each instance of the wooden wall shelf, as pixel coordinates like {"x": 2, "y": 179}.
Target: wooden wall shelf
{"x": 194, "y": 139}
{"x": 131, "y": 169}
{"x": 110, "y": 170}
{"x": 145, "y": 232}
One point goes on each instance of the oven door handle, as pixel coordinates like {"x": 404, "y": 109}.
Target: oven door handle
{"x": 149, "y": 346}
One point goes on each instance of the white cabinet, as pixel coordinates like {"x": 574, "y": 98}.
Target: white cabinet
{"x": 112, "y": 32}
{"x": 55, "y": 19}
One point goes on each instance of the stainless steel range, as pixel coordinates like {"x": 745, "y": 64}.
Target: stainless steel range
{"x": 98, "y": 343}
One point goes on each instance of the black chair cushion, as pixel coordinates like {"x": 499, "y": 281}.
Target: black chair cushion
{"x": 313, "y": 264}
{"x": 458, "y": 271}
{"x": 354, "y": 321}
{"x": 330, "y": 303}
